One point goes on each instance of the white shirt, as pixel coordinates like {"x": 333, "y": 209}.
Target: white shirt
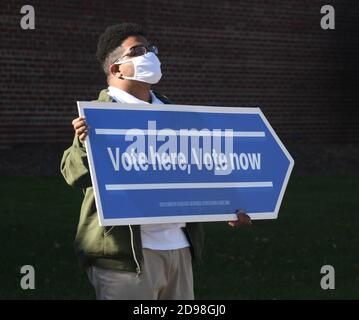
{"x": 165, "y": 236}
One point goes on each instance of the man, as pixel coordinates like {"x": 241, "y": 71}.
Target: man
{"x": 130, "y": 262}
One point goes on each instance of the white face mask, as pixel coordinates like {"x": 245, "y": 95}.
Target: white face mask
{"x": 147, "y": 68}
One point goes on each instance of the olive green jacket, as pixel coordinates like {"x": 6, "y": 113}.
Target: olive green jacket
{"x": 116, "y": 247}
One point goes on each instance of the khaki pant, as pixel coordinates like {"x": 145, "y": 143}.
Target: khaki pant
{"x": 166, "y": 275}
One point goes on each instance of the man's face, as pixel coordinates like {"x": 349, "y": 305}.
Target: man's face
{"x": 127, "y": 69}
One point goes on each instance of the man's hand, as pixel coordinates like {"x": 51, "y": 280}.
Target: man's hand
{"x": 243, "y": 220}
{"x": 80, "y": 127}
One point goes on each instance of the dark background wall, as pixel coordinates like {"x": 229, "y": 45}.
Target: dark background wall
{"x": 229, "y": 53}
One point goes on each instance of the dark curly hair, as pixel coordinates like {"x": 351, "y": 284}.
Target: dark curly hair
{"x": 112, "y": 38}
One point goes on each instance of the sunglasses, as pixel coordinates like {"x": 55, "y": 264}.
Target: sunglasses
{"x": 137, "y": 51}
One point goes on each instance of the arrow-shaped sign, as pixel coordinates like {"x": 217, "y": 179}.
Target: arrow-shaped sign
{"x": 175, "y": 163}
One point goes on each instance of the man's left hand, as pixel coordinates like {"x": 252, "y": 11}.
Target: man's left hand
{"x": 243, "y": 219}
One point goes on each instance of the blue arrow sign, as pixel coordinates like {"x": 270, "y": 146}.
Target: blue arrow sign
{"x": 176, "y": 163}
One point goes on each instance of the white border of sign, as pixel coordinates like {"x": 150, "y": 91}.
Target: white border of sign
{"x": 176, "y": 108}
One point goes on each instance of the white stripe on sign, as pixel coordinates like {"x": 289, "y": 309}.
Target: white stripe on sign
{"x": 182, "y": 132}
{"x": 153, "y": 186}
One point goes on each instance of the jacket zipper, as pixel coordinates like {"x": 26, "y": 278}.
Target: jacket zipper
{"x": 138, "y": 269}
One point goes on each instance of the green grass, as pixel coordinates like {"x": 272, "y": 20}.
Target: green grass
{"x": 280, "y": 259}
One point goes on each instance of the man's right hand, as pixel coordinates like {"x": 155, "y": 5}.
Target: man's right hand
{"x": 80, "y": 127}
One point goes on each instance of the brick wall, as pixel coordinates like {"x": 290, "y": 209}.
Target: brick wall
{"x": 232, "y": 53}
